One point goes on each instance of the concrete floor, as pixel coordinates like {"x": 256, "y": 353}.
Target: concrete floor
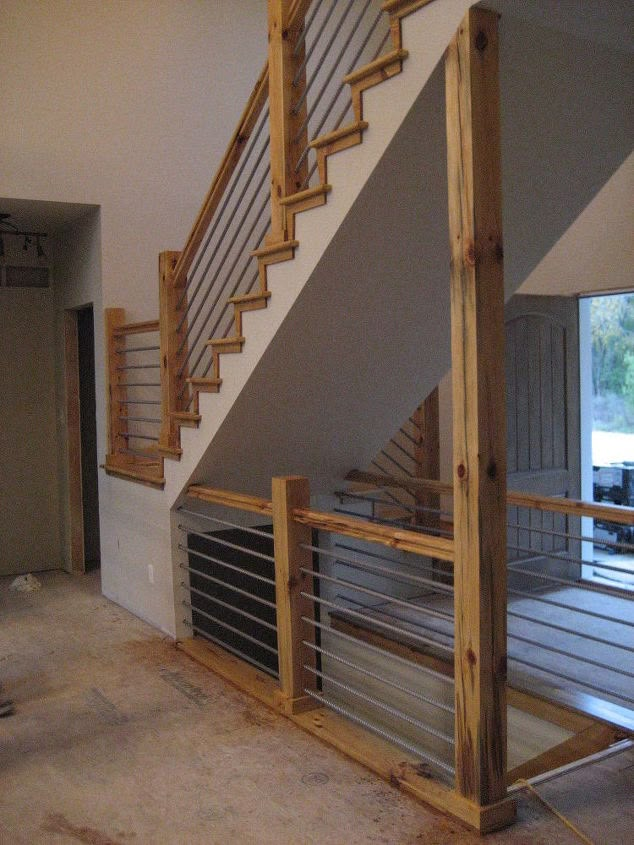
{"x": 119, "y": 739}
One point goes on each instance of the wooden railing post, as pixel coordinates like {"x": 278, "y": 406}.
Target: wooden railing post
{"x": 285, "y": 22}
{"x": 114, "y": 317}
{"x": 171, "y": 337}
{"x": 479, "y": 422}
{"x": 290, "y": 558}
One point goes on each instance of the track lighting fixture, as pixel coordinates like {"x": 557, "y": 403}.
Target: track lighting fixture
{"x": 9, "y": 228}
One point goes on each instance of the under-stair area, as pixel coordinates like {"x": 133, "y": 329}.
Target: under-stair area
{"x": 399, "y": 172}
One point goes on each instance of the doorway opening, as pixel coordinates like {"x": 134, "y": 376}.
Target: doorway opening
{"x": 607, "y": 382}
{"x": 82, "y": 439}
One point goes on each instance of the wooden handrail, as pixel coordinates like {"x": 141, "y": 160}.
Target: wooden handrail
{"x": 401, "y": 539}
{"x": 573, "y": 507}
{"x": 241, "y": 501}
{"x": 237, "y": 144}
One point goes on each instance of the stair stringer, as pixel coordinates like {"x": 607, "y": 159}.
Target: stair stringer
{"x": 429, "y": 30}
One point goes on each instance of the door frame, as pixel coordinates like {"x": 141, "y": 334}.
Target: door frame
{"x": 73, "y": 440}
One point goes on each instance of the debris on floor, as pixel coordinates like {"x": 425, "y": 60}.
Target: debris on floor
{"x": 25, "y": 584}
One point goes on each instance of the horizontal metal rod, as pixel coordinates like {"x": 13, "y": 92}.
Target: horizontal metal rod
{"x": 228, "y": 586}
{"x": 333, "y": 69}
{"x": 230, "y": 607}
{"x": 524, "y": 661}
{"x": 231, "y": 649}
{"x": 144, "y": 453}
{"x": 316, "y": 6}
{"x": 139, "y": 367}
{"x": 599, "y": 756}
{"x": 536, "y": 554}
{"x": 361, "y": 669}
{"x": 356, "y": 615}
{"x": 568, "y": 536}
{"x": 417, "y": 566}
{"x": 375, "y": 702}
{"x": 554, "y": 603}
{"x": 377, "y": 570}
{"x": 130, "y": 436}
{"x": 129, "y": 384}
{"x": 412, "y": 749}
{"x": 553, "y": 579}
{"x": 237, "y": 631}
{"x": 365, "y": 497}
{"x": 218, "y": 215}
{"x": 138, "y": 401}
{"x": 141, "y": 419}
{"x": 410, "y": 664}
{"x": 422, "y": 529}
{"x": 556, "y": 674}
{"x": 229, "y": 247}
{"x": 227, "y": 276}
{"x": 226, "y": 543}
{"x": 575, "y": 631}
{"x": 350, "y": 585}
{"x": 249, "y": 529}
{"x": 137, "y": 349}
{"x": 231, "y": 566}
{"x": 314, "y": 44}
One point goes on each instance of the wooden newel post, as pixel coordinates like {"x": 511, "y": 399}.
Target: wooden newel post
{"x": 172, "y": 305}
{"x": 479, "y": 421}
{"x": 290, "y": 559}
{"x": 285, "y": 23}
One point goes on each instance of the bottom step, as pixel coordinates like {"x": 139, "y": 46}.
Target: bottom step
{"x": 150, "y": 475}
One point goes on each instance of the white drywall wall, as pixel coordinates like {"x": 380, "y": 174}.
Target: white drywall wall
{"x": 127, "y": 106}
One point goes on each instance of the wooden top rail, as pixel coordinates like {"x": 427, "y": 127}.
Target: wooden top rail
{"x": 573, "y": 507}
{"x": 237, "y": 144}
{"x": 403, "y": 540}
{"x": 137, "y": 328}
{"x": 240, "y": 501}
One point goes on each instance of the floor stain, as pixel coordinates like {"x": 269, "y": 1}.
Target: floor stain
{"x": 57, "y": 823}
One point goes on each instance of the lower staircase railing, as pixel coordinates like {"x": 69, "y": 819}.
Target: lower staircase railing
{"x": 286, "y": 602}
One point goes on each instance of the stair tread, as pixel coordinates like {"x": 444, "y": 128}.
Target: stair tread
{"x": 271, "y": 249}
{"x": 205, "y": 382}
{"x": 330, "y": 137}
{"x": 250, "y": 297}
{"x": 401, "y": 8}
{"x": 306, "y": 195}
{"x": 377, "y": 64}
{"x": 186, "y": 415}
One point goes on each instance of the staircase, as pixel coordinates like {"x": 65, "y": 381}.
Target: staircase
{"x": 308, "y": 308}
{"x": 193, "y": 368}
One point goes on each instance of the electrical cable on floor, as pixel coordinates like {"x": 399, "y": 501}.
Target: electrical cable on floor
{"x": 524, "y": 784}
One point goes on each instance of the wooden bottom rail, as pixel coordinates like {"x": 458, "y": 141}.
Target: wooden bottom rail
{"x": 376, "y": 754}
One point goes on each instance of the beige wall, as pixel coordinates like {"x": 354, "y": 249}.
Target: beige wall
{"x": 29, "y": 525}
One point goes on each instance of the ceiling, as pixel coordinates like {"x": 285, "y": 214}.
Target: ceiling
{"x": 41, "y": 216}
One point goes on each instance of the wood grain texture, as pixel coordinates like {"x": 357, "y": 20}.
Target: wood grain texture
{"x": 236, "y": 147}
{"x": 73, "y": 435}
{"x": 114, "y": 319}
{"x": 479, "y": 418}
{"x": 240, "y": 501}
{"x": 402, "y": 539}
{"x": 291, "y": 558}
{"x": 171, "y": 359}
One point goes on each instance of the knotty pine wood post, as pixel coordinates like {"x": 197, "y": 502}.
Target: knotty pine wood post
{"x": 285, "y": 23}
{"x": 170, "y": 339}
{"x": 290, "y": 558}
{"x": 479, "y": 423}
{"x": 114, "y": 317}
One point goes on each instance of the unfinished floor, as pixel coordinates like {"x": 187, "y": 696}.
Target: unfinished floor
{"x": 119, "y": 739}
